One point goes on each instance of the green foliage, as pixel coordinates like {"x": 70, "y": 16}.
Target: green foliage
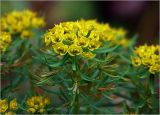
{"x": 75, "y": 84}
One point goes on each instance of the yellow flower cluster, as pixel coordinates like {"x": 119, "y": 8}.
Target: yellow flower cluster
{"x": 8, "y": 108}
{"x": 5, "y": 40}
{"x": 147, "y": 56}
{"x": 21, "y": 22}
{"x": 37, "y": 104}
{"x": 81, "y": 37}
{"x": 117, "y": 36}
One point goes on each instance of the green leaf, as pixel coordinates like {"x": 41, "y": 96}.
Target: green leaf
{"x": 125, "y": 58}
{"x": 50, "y": 91}
{"x": 57, "y": 64}
{"x": 124, "y": 108}
{"x": 133, "y": 40}
{"x": 43, "y": 81}
{"x": 140, "y": 103}
{"x": 74, "y": 63}
{"x": 151, "y": 83}
{"x": 88, "y": 101}
{"x": 106, "y": 96}
{"x": 83, "y": 76}
{"x": 95, "y": 73}
{"x": 99, "y": 60}
{"x": 105, "y": 50}
{"x": 17, "y": 42}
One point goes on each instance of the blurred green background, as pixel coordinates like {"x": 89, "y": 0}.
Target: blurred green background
{"x": 140, "y": 17}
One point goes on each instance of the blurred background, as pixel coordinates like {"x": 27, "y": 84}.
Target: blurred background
{"x": 141, "y": 17}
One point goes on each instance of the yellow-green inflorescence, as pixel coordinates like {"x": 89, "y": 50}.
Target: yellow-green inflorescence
{"x": 82, "y": 37}
{"x": 21, "y": 22}
{"x": 148, "y": 56}
{"x": 7, "y": 107}
{"x": 37, "y": 104}
{"x": 5, "y": 40}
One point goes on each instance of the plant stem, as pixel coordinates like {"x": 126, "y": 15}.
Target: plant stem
{"x": 75, "y": 100}
{"x": 75, "y": 107}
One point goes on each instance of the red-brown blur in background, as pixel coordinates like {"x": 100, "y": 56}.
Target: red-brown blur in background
{"x": 140, "y": 17}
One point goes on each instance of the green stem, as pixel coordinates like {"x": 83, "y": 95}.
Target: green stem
{"x": 75, "y": 107}
{"x": 153, "y": 98}
{"x": 151, "y": 83}
{"x": 75, "y": 100}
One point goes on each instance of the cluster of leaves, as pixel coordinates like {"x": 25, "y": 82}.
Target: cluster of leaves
{"x": 100, "y": 85}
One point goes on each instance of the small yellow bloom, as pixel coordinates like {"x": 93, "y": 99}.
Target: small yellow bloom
{"x": 47, "y": 38}
{"x": 41, "y": 110}
{"x": 38, "y": 22}
{"x": 3, "y": 106}
{"x": 120, "y": 32}
{"x": 94, "y": 44}
{"x": 136, "y": 61}
{"x": 94, "y": 35}
{"x": 88, "y": 55}
{"x": 146, "y": 61}
{"x": 26, "y": 34}
{"x": 124, "y": 42}
{"x": 60, "y": 48}
{"x": 46, "y": 101}
{"x": 5, "y": 40}
{"x": 83, "y": 32}
{"x": 56, "y": 38}
{"x": 31, "y": 110}
{"x": 37, "y": 104}
{"x": 88, "y": 34}
{"x": 21, "y": 22}
{"x": 154, "y": 68}
{"x": 74, "y": 50}
{"x": 58, "y": 29}
{"x": 10, "y": 113}
{"x": 70, "y": 38}
{"x": 83, "y": 42}
{"x": 13, "y": 104}
{"x": 149, "y": 56}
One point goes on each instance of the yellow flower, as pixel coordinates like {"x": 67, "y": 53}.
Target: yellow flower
{"x": 13, "y": 104}
{"x": 46, "y": 101}
{"x": 37, "y": 104}
{"x": 136, "y": 61}
{"x": 94, "y": 35}
{"x": 5, "y": 37}
{"x": 120, "y": 32}
{"x": 3, "y": 106}
{"x": 26, "y": 34}
{"x": 5, "y": 40}
{"x": 58, "y": 29}
{"x": 47, "y": 38}
{"x": 10, "y": 113}
{"x": 94, "y": 44}
{"x": 83, "y": 32}
{"x": 146, "y": 61}
{"x": 60, "y": 48}
{"x": 74, "y": 50}
{"x": 70, "y": 38}
{"x": 41, "y": 110}
{"x": 20, "y": 22}
{"x": 88, "y": 55}
{"x": 56, "y": 38}
{"x": 38, "y": 22}
{"x": 31, "y": 110}
{"x": 149, "y": 56}
{"x": 154, "y": 68}
{"x": 124, "y": 42}
{"x": 83, "y": 42}
{"x": 88, "y": 34}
